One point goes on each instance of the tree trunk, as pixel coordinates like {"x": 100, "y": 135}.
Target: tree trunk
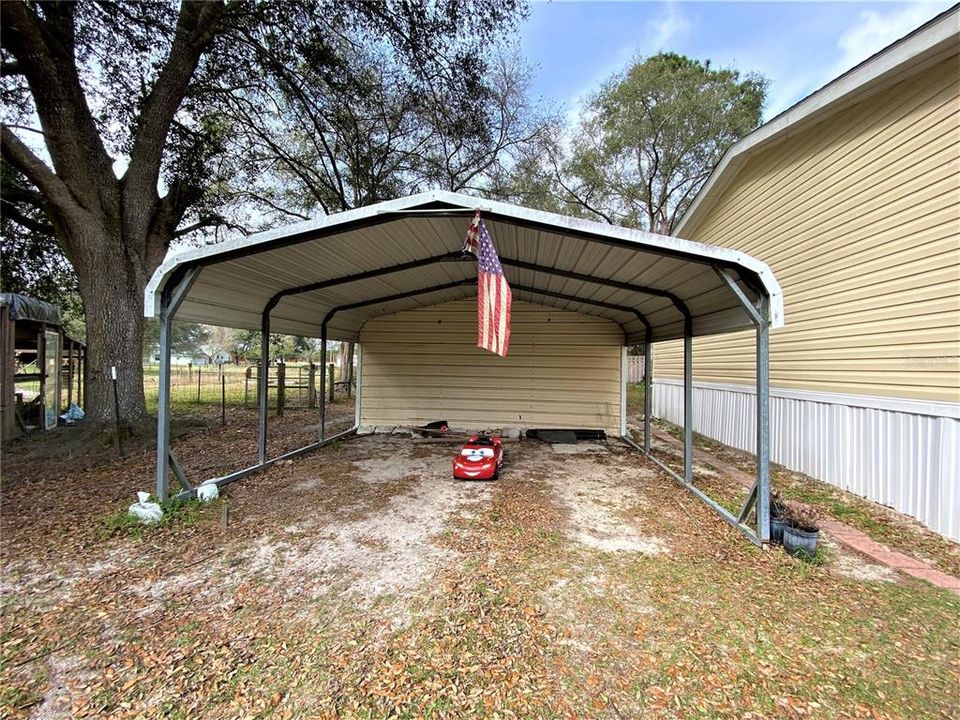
{"x": 112, "y": 291}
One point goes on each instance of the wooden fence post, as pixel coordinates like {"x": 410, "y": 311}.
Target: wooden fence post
{"x": 311, "y": 387}
{"x": 349, "y": 368}
{"x": 281, "y": 390}
{"x": 333, "y": 369}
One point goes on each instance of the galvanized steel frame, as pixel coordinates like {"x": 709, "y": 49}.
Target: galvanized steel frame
{"x": 174, "y": 291}
{"x": 759, "y": 496}
{"x": 171, "y": 299}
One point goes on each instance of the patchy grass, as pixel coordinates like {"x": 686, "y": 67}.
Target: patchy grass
{"x": 512, "y": 614}
{"x": 880, "y": 523}
{"x": 183, "y": 513}
{"x": 635, "y": 399}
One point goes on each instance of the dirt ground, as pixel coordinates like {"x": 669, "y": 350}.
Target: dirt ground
{"x": 362, "y": 581}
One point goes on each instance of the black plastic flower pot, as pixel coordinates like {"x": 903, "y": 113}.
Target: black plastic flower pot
{"x": 799, "y": 542}
{"x": 777, "y": 525}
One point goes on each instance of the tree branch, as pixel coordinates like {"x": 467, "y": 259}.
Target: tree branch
{"x": 197, "y": 25}
{"x": 23, "y": 158}
{"x": 12, "y": 212}
{"x": 209, "y": 221}
{"x": 10, "y": 68}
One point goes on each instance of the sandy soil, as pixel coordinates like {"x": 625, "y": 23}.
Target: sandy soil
{"x": 355, "y": 546}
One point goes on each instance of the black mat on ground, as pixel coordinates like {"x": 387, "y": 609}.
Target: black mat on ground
{"x": 554, "y": 436}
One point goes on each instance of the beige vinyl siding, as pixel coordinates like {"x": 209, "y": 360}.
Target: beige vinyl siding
{"x": 859, "y": 218}
{"x": 562, "y": 370}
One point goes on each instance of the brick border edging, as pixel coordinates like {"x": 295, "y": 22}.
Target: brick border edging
{"x": 851, "y": 537}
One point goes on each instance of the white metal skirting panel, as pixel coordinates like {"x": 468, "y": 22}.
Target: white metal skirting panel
{"x": 907, "y": 460}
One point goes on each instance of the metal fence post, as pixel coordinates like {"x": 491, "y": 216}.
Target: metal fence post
{"x": 281, "y": 387}
{"x": 70, "y": 375}
{"x": 332, "y": 368}
{"x": 647, "y": 393}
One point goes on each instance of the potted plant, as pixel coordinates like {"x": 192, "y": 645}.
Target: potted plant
{"x": 801, "y": 533}
{"x": 778, "y": 518}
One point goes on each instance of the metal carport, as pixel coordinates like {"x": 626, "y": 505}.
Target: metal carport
{"x": 325, "y": 278}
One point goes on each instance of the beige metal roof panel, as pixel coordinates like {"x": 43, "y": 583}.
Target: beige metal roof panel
{"x": 408, "y": 250}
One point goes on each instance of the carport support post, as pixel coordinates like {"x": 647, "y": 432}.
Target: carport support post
{"x": 323, "y": 380}
{"x": 647, "y": 393}
{"x": 763, "y": 423}
{"x": 163, "y": 398}
{"x": 262, "y": 381}
{"x": 170, "y": 299}
{"x": 688, "y": 401}
{"x": 358, "y": 349}
{"x": 623, "y": 391}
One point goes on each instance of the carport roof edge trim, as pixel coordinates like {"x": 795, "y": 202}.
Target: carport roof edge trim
{"x": 648, "y": 242}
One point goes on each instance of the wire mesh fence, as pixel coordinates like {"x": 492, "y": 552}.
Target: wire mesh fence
{"x": 289, "y": 385}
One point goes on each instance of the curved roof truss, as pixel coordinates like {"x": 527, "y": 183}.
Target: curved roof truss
{"x": 405, "y": 253}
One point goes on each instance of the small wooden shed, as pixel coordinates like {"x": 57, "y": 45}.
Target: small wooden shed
{"x": 34, "y": 350}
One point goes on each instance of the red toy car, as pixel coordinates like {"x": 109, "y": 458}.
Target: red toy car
{"x": 480, "y": 459}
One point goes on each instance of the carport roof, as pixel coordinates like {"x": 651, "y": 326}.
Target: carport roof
{"x": 405, "y": 253}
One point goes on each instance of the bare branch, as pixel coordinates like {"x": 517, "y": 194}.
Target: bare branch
{"x": 12, "y": 212}
{"x": 210, "y": 221}
{"x": 37, "y": 171}
{"x": 197, "y": 25}
{"x": 10, "y": 68}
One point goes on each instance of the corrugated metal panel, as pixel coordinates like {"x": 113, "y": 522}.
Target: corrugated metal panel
{"x": 586, "y": 261}
{"x": 906, "y": 460}
{"x": 563, "y": 370}
{"x": 860, "y": 219}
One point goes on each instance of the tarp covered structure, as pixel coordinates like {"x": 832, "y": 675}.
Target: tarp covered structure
{"x": 24, "y": 308}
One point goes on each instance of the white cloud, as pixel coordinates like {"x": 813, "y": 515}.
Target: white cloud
{"x": 663, "y": 32}
{"x": 874, "y": 30}
{"x": 666, "y": 29}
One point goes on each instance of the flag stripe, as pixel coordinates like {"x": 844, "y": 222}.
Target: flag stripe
{"x": 494, "y": 298}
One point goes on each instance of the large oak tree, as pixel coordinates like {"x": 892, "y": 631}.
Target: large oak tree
{"x": 142, "y": 83}
{"x": 651, "y": 136}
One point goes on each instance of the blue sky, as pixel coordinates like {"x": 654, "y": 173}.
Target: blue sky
{"x": 798, "y": 46}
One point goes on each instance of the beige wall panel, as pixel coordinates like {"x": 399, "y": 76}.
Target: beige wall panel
{"x": 563, "y": 370}
{"x": 812, "y": 161}
{"x": 859, "y": 217}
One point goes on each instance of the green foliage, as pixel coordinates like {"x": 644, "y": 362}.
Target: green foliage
{"x": 378, "y": 129}
{"x": 176, "y": 513}
{"x": 652, "y": 134}
{"x": 31, "y": 262}
{"x": 188, "y": 338}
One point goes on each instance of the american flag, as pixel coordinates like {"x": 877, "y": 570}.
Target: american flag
{"x": 493, "y": 293}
